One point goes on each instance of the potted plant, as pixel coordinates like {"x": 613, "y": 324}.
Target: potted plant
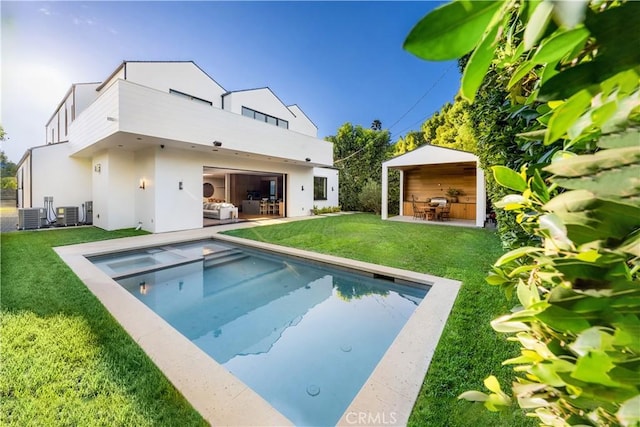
{"x": 453, "y": 194}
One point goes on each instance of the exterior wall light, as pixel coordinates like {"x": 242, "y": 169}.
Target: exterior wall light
{"x": 217, "y": 144}
{"x": 302, "y": 188}
{"x": 307, "y": 159}
{"x": 179, "y": 185}
{"x": 142, "y": 184}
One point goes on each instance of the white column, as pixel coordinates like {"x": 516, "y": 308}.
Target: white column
{"x": 401, "y": 207}
{"x": 385, "y": 191}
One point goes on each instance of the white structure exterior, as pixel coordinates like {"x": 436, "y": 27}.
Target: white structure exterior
{"x": 434, "y": 155}
{"x": 137, "y": 144}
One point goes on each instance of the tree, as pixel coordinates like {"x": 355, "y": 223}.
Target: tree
{"x": 410, "y": 142}
{"x": 7, "y": 167}
{"x": 376, "y": 125}
{"x": 578, "y": 291}
{"x": 451, "y": 127}
{"x": 359, "y": 154}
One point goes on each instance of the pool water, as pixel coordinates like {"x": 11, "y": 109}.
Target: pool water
{"x": 304, "y": 336}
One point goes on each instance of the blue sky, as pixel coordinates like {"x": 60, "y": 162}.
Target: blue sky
{"x": 339, "y": 61}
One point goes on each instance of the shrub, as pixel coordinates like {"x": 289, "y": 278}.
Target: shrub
{"x": 578, "y": 315}
{"x": 370, "y": 197}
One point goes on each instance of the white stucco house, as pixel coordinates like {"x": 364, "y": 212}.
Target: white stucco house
{"x": 142, "y": 145}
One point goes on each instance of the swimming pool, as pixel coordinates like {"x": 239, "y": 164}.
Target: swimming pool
{"x": 305, "y": 336}
{"x": 221, "y": 398}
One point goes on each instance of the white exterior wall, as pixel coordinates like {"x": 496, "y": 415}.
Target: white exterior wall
{"x": 301, "y": 122}
{"x": 55, "y": 130}
{"x": 149, "y": 112}
{"x": 332, "y": 187}
{"x": 299, "y": 202}
{"x": 145, "y": 204}
{"x": 177, "y": 209}
{"x": 184, "y": 77}
{"x": 114, "y": 190}
{"x": 57, "y": 174}
{"x": 97, "y": 121}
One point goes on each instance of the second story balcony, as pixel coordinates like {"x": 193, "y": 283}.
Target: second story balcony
{"x": 134, "y": 117}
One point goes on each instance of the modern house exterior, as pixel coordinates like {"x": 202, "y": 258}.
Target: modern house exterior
{"x": 142, "y": 144}
{"x": 429, "y": 171}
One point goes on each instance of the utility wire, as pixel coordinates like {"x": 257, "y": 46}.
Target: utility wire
{"x": 444, "y": 73}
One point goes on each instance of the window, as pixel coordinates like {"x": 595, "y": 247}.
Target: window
{"x": 191, "y": 97}
{"x": 319, "y": 188}
{"x": 261, "y": 117}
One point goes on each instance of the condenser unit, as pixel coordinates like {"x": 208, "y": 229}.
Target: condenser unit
{"x": 67, "y": 215}
{"x": 31, "y": 218}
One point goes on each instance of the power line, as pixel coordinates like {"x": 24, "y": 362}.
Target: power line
{"x": 444, "y": 73}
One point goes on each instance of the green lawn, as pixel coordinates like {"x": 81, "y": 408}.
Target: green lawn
{"x": 469, "y": 349}
{"x": 65, "y": 361}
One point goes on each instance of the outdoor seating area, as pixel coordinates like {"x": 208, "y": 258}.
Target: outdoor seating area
{"x": 431, "y": 209}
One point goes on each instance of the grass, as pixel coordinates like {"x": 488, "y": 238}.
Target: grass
{"x": 64, "y": 359}
{"x": 469, "y": 350}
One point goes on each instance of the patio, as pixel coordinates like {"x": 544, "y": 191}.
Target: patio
{"x": 429, "y": 172}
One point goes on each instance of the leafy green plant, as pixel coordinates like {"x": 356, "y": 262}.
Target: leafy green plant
{"x": 370, "y": 197}
{"x": 327, "y": 209}
{"x": 454, "y": 192}
{"x": 578, "y": 315}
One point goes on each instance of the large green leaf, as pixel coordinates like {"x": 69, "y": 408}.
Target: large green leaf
{"x": 630, "y": 138}
{"x": 563, "y": 320}
{"x": 508, "y": 178}
{"x": 557, "y": 46}
{"x": 593, "y": 368}
{"x": 452, "y": 30}
{"x": 566, "y": 115}
{"x": 537, "y": 24}
{"x": 478, "y": 65}
{"x": 515, "y": 254}
{"x": 623, "y": 182}
{"x": 590, "y": 164}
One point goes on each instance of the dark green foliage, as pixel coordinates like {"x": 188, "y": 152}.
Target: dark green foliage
{"x": 496, "y": 129}
{"x": 575, "y": 189}
{"x": 371, "y": 197}
{"x": 358, "y": 154}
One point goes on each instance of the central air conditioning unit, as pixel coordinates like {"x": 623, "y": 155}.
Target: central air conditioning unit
{"x": 31, "y": 218}
{"x": 67, "y": 215}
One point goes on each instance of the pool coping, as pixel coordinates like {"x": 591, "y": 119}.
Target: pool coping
{"x": 387, "y": 397}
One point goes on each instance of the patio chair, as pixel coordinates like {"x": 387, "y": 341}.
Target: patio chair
{"x": 418, "y": 212}
{"x": 444, "y": 213}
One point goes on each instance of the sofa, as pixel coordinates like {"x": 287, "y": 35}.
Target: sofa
{"x": 219, "y": 210}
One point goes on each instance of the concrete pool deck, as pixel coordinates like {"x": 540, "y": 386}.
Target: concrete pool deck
{"x": 386, "y": 398}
